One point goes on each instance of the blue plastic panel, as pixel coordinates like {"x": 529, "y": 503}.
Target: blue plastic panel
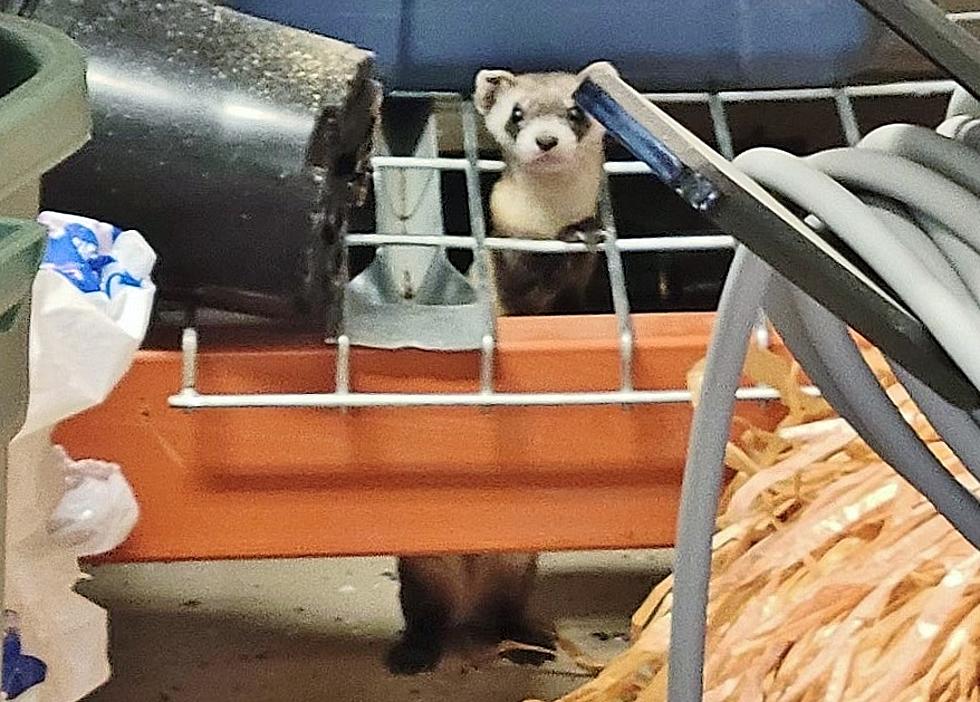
{"x": 656, "y": 44}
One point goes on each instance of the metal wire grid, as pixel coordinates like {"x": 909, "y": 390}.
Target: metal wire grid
{"x": 478, "y": 241}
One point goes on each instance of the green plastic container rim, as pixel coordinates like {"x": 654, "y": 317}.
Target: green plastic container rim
{"x": 21, "y": 248}
{"x": 46, "y": 118}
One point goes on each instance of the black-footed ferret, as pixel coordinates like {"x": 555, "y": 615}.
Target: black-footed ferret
{"x": 549, "y": 190}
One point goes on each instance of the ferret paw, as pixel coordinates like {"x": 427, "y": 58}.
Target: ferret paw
{"x": 591, "y": 238}
{"x": 406, "y": 658}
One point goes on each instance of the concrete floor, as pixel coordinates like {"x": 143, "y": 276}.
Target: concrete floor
{"x": 316, "y": 630}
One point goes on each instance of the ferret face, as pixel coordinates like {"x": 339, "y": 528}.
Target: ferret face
{"x": 535, "y": 120}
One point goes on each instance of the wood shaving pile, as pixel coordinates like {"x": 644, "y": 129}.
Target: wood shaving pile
{"x": 833, "y": 579}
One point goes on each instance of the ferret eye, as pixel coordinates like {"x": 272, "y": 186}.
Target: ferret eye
{"x": 575, "y": 114}
{"x": 517, "y": 114}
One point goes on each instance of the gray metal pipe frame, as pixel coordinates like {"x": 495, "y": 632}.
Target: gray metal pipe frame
{"x": 472, "y": 166}
{"x": 617, "y": 285}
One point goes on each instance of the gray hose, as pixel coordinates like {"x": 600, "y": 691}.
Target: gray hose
{"x": 962, "y": 103}
{"x": 845, "y": 214}
{"x": 964, "y": 129}
{"x": 882, "y": 425}
{"x": 813, "y": 335}
{"x": 941, "y": 207}
{"x": 953, "y": 159}
{"x": 916, "y": 241}
{"x": 918, "y": 231}
{"x": 956, "y": 427}
{"x": 963, "y": 259}
{"x": 905, "y": 181}
{"x": 860, "y": 398}
{"x": 738, "y": 309}
{"x": 923, "y": 146}
{"x": 792, "y": 329}
{"x": 828, "y": 354}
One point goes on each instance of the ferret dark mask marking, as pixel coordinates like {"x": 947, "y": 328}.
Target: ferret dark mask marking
{"x": 514, "y": 123}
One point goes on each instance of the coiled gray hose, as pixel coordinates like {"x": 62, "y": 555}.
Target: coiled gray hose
{"x": 860, "y": 398}
{"x": 942, "y": 311}
{"x": 918, "y": 231}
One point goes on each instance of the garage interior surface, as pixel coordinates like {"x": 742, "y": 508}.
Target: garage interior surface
{"x": 316, "y": 630}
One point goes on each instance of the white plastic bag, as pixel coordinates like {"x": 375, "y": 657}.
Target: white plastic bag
{"x": 91, "y": 305}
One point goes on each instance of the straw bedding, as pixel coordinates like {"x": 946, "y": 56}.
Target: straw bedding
{"x": 833, "y": 579}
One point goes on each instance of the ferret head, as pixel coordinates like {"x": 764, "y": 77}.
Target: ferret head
{"x": 535, "y": 120}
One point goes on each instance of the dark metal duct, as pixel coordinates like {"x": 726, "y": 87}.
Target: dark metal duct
{"x": 235, "y": 145}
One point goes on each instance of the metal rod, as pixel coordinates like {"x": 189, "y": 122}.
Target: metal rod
{"x": 917, "y": 88}
{"x": 719, "y": 121}
{"x": 442, "y": 163}
{"x": 342, "y": 367}
{"x": 188, "y": 347}
{"x": 925, "y": 87}
{"x": 484, "y": 165}
{"x": 848, "y": 120}
{"x": 519, "y": 399}
{"x": 626, "y": 168}
{"x": 617, "y": 285}
{"x": 697, "y": 242}
{"x": 760, "y": 333}
{"x": 486, "y": 364}
{"x": 427, "y": 94}
{"x": 921, "y": 88}
{"x": 965, "y": 16}
{"x": 342, "y": 383}
{"x": 478, "y": 228}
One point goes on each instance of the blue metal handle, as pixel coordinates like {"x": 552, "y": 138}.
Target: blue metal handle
{"x": 696, "y": 190}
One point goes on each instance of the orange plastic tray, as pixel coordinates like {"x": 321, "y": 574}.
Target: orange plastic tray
{"x": 299, "y": 482}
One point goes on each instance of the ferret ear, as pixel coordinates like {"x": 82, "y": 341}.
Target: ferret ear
{"x": 603, "y": 66}
{"x": 489, "y": 83}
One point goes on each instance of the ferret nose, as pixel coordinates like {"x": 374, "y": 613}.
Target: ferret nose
{"x": 546, "y": 143}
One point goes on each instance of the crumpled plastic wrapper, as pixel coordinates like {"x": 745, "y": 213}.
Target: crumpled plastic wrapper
{"x": 98, "y": 510}
{"x": 832, "y": 578}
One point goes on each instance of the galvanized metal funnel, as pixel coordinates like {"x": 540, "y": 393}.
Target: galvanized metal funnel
{"x": 412, "y": 296}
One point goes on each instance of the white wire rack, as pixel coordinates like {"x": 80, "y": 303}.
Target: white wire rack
{"x": 842, "y": 98}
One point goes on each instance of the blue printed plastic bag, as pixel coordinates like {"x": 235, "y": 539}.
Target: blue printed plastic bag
{"x": 91, "y": 306}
